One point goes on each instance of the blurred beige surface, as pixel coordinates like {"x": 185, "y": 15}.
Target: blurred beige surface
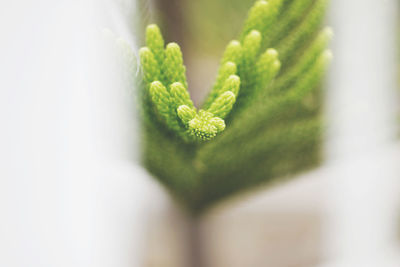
{"x": 278, "y": 227}
{"x": 265, "y": 239}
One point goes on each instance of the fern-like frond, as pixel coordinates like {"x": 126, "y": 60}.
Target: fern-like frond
{"x": 164, "y": 73}
{"x": 261, "y": 119}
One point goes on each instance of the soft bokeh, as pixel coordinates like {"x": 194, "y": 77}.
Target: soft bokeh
{"x": 73, "y": 194}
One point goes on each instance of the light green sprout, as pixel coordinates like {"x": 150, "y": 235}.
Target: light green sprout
{"x": 165, "y": 76}
{"x": 262, "y": 117}
{"x": 164, "y": 73}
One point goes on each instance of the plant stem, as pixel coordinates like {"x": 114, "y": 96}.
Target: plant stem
{"x": 195, "y": 243}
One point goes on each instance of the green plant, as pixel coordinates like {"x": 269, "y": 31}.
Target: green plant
{"x": 260, "y": 121}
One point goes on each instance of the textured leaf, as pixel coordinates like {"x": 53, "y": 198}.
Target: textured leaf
{"x": 262, "y": 118}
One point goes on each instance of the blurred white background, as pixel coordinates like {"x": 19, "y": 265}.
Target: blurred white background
{"x": 71, "y": 193}
{"x": 363, "y": 151}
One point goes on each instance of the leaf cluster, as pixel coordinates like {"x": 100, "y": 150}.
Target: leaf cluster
{"x": 261, "y": 119}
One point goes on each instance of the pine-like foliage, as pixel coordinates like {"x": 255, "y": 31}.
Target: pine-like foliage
{"x": 260, "y": 121}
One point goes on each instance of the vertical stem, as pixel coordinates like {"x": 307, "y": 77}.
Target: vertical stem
{"x": 172, "y": 18}
{"x": 195, "y": 243}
